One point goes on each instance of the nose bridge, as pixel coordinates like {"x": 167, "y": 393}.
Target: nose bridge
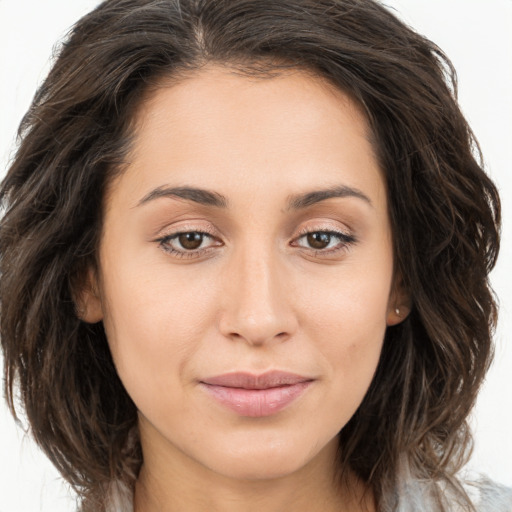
{"x": 257, "y": 307}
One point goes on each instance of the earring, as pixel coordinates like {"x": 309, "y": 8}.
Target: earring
{"x": 397, "y": 311}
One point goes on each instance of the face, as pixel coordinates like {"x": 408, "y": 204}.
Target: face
{"x": 246, "y": 271}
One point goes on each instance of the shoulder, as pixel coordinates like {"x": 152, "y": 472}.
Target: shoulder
{"x": 490, "y": 496}
{"x": 416, "y": 495}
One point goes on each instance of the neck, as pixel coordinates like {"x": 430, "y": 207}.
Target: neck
{"x": 177, "y": 483}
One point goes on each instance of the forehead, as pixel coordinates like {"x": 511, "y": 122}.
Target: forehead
{"x": 224, "y": 94}
{"x": 218, "y": 127}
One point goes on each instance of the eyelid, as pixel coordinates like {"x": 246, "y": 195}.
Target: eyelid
{"x": 169, "y": 231}
{"x": 324, "y": 229}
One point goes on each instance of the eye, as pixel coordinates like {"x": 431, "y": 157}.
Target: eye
{"x": 319, "y": 240}
{"x": 190, "y": 241}
{"x": 187, "y": 244}
{"x": 325, "y": 241}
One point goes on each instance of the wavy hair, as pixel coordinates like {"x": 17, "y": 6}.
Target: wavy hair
{"x": 444, "y": 211}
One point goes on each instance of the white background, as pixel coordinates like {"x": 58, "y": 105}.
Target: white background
{"x": 476, "y": 35}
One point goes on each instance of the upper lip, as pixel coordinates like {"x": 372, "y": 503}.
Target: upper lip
{"x": 246, "y": 380}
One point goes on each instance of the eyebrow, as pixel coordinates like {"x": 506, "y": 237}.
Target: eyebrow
{"x": 300, "y": 201}
{"x": 211, "y": 198}
{"x": 196, "y": 195}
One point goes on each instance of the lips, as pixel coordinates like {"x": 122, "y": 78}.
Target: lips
{"x": 256, "y": 395}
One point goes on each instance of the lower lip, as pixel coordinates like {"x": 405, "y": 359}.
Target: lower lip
{"x": 256, "y": 403}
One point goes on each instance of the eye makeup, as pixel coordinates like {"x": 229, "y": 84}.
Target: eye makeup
{"x": 191, "y": 242}
{"x": 324, "y": 242}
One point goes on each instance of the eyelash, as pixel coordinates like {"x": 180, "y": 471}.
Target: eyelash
{"x": 165, "y": 240}
{"x": 345, "y": 241}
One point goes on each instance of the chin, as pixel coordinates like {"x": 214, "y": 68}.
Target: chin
{"x": 272, "y": 460}
{"x": 258, "y": 470}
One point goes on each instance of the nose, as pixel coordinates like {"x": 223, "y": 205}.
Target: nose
{"x": 257, "y": 299}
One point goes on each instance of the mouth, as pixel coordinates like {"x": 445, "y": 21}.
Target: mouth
{"x": 256, "y": 395}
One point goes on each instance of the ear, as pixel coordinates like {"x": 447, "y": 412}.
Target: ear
{"x": 87, "y": 298}
{"x": 400, "y": 303}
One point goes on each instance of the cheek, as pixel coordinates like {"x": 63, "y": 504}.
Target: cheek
{"x": 347, "y": 319}
{"x": 350, "y": 306}
{"x": 154, "y": 323}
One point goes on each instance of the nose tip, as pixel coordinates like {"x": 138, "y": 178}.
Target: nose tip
{"x": 258, "y": 330}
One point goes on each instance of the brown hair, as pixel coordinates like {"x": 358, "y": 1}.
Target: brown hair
{"x": 444, "y": 210}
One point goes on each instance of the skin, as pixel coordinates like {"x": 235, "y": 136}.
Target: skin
{"x": 255, "y": 296}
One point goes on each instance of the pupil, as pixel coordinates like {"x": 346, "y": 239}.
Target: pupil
{"x": 319, "y": 240}
{"x": 190, "y": 240}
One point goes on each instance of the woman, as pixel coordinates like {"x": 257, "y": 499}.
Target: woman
{"x": 244, "y": 261}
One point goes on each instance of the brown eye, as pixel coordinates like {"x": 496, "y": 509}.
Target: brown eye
{"x": 325, "y": 243}
{"x": 191, "y": 240}
{"x": 188, "y": 244}
{"x": 318, "y": 240}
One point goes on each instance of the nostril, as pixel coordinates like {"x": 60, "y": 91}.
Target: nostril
{"x": 258, "y": 340}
